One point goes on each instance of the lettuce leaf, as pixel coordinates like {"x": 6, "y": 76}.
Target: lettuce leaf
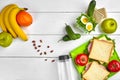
{"x": 82, "y": 26}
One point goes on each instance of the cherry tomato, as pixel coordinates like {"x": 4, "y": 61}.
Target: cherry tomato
{"x": 81, "y": 59}
{"x": 114, "y": 66}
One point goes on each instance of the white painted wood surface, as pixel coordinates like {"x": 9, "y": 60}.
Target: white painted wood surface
{"x": 21, "y": 61}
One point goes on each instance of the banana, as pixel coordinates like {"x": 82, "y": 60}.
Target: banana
{"x": 6, "y": 20}
{"x": 1, "y": 18}
{"x": 14, "y": 24}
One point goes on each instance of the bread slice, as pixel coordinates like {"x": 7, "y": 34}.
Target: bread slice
{"x": 96, "y": 72}
{"x": 98, "y": 16}
{"x": 102, "y": 11}
{"x": 101, "y": 50}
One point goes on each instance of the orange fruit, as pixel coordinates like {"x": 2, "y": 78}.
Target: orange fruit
{"x": 24, "y": 19}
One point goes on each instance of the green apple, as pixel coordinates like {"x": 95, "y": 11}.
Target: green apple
{"x": 5, "y": 39}
{"x": 109, "y": 25}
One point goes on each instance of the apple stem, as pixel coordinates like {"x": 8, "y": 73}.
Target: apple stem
{"x": 112, "y": 24}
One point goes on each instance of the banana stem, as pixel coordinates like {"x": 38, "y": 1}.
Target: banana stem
{"x": 25, "y": 8}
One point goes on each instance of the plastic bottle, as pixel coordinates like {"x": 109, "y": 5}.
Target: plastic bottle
{"x": 66, "y": 69}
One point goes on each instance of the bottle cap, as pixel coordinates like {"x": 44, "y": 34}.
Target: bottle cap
{"x": 64, "y": 57}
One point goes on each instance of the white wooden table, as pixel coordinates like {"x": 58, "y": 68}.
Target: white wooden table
{"x": 21, "y": 61}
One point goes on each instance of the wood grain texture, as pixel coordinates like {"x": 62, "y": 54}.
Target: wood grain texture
{"x": 28, "y": 69}
{"x": 62, "y": 5}
{"x": 21, "y": 61}
{"x": 20, "y": 48}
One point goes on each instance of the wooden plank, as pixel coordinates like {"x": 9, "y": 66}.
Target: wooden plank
{"x": 54, "y": 23}
{"x": 33, "y": 69}
{"x": 48, "y": 5}
{"x": 21, "y": 61}
{"x": 115, "y": 77}
{"x": 26, "y": 49}
{"x": 28, "y": 69}
{"x": 62, "y": 5}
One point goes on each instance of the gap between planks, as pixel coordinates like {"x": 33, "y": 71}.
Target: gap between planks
{"x": 66, "y": 12}
{"x": 25, "y": 57}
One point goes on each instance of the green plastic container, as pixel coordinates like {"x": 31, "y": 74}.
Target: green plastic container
{"x": 83, "y": 49}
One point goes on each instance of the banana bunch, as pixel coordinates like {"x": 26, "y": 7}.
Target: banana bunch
{"x": 8, "y": 21}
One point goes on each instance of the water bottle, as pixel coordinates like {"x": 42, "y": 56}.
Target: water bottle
{"x": 66, "y": 69}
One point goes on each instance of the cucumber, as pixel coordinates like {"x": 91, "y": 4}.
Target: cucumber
{"x": 70, "y": 32}
{"x": 91, "y": 8}
{"x": 66, "y": 38}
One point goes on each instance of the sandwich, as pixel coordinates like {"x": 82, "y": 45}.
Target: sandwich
{"x": 95, "y": 72}
{"x": 101, "y": 50}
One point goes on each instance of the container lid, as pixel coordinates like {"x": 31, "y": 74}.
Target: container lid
{"x": 63, "y": 57}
